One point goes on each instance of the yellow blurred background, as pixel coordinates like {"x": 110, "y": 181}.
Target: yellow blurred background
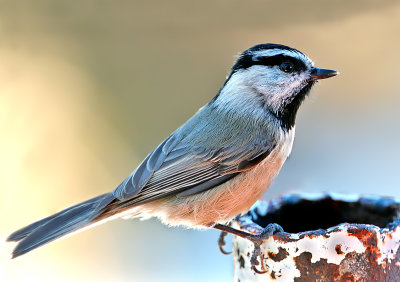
{"x": 88, "y": 88}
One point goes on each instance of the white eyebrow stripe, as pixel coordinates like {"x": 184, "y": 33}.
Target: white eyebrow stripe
{"x": 273, "y": 52}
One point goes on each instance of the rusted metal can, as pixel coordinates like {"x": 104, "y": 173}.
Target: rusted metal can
{"x": 328, "y": 237}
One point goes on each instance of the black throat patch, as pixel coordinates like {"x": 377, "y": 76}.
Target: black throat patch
{"x": 287, "y": 114}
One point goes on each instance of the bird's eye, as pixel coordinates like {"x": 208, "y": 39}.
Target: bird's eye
{"x": 287, "y": 67}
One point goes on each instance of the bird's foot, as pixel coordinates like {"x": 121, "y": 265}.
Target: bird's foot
{"x": 256, "y": 239}
{"x": 268, "y": 231}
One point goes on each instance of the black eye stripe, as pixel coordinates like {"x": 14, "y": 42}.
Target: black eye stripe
{"x": 246, "y": 61}
{"x": 277, "y": 60}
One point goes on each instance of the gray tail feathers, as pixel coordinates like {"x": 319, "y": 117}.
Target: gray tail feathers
{"x": 59, "y": 224}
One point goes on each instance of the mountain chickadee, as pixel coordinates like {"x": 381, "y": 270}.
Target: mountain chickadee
{"x": 217, "y": 164}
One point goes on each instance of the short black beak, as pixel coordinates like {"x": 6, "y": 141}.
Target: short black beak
{"x": 317, "y": 73}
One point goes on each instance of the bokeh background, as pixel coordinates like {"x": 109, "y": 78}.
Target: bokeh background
{"x": 88, "y": 88}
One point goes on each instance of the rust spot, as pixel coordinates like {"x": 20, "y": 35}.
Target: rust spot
{"x": 369, "y": 239}
{"x": 388, "y": 235}
{"x": 241, "y": 262}
{"x": 338, "y": 249}
{"x": 314, "y": 271}
{"x": 365, "y": 235}
{"x": 360, "y": 234}
{"x": 281, "y": 255}
{"x": 348, "y": 277}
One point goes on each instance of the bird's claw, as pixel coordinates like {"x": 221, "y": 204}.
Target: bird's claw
{"x": 257, "y": 240}
{"x": 269, "y": 230}
{"x": 254, "y": 262}
{"x": 222, "y": 243}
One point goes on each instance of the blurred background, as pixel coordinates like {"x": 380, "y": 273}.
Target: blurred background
{"x": 88, "y": 88}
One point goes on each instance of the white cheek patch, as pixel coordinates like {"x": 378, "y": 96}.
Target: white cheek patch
{"x": 286, "y": 90}
{"x": 242, "y": 90}
{"x": 276, "y": 86}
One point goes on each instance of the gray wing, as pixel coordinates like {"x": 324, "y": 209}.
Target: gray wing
{"x": 187, "y": 163}
{"x": 135, "y": 182}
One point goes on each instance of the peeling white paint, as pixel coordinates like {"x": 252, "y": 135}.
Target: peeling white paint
{"x": 388, "y": 244}
{"x": 320, "y": 247}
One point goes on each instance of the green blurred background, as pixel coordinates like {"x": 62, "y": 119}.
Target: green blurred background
{"x": 88, "y": 88}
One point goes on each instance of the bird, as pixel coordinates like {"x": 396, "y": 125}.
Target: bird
{"x": 216, "y": 165}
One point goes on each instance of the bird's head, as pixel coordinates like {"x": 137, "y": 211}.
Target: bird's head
{"x": 274, "y": 77}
